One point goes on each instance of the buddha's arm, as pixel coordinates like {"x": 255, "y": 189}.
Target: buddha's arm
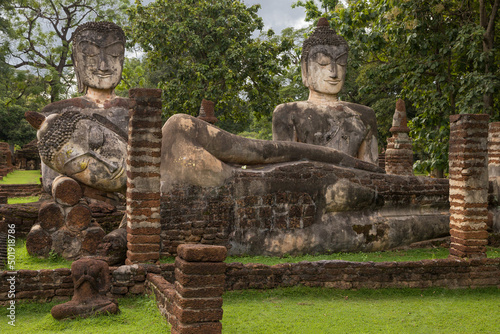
{"x": 283, "y": 127}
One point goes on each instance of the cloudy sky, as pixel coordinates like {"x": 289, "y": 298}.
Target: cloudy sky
{"x": 279, "y": 14}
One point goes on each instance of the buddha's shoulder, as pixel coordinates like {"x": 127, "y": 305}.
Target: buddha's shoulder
{"x": 362, "y": 109}
{"x": 69, "y": 104}
{"x": 366, "y": 113}
{"x": 80, "y": 103}
{"x": 294, "y": 106}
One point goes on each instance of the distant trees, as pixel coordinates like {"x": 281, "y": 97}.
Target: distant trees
{"x": 206, "y": 49}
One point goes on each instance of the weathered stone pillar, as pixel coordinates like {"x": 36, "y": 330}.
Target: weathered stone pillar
{"x": 468, "y": 156}
{"x": 494, "y": 150}
{"x": 207, "y": 112}
{"x": 399, "y": 153}
{"x": 143, "y": 176}
{"x": 200, "y": 277}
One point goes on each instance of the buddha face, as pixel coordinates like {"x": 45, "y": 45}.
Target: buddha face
{"x": 325, "y": 69}
{"x": 95, "y": 156}
{"x": 98, "y": 59}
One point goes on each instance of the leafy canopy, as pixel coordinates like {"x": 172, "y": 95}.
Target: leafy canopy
{"x": 206, "y": 49}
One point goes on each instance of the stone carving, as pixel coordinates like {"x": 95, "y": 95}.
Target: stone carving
{"x": 399, "y": 154}
{"x": 98, "y": 54}
{"x": 84, "y": 138}
{"x": 323, "y": 119}
{"x": 91, "y": 282}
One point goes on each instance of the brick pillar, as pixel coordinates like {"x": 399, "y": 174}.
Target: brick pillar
{"x": 143, "y": 176}
{"x": 200, "y": 277}
{"x": 399, "y": 153}
{"x": 494, "y": 150}
{"x": 468, "y": 157}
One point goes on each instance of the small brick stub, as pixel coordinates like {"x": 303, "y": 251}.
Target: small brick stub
{"x": 202, "y": 253}
{"x": 143, "y": 176}
{"x": 468, "y": 161}
{"x": 200, "y": 279}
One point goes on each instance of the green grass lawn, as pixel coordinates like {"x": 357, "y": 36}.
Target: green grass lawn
{"x": 319, "y": 310}
{"x": 22, "y": 177}
{"x": 26, "y": 261}
{"x": 296, "y": 310}
{"x": 138, "y": 315}
{"x": 383, "y": 256}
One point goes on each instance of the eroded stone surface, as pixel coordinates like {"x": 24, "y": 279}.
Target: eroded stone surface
{"x": 91, "y": 282}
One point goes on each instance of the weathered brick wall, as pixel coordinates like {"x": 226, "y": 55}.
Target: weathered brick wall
{"x": 143, "y": 176}
{"x": 288, "y": 197}
{"x": 446, "y": 273}
{"x": 44, "y": 285}
{"x": 57, "y": 284}
{"x": 195, "y": 214}
{"x": 24, "y": 216}
{"x": 468, "y": 160}
{"x": 21, "y": 190}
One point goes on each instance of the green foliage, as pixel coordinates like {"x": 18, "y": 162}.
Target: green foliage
{"x": 22, "y": 177}
{"x": 317, "y": 310}
{"x": 205, "y": 49}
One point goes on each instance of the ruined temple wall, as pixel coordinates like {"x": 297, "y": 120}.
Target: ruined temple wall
{"x": 57, "y": 284}
{"x": 289, "y": 200}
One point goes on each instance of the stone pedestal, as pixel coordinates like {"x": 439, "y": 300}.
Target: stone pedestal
{"x": 65, "y": 225}
{"x": 200, "y": 278}
{"x": 468, "y": 157}
{"x": 399, "y": 153}
{"x": 143, "y": 176}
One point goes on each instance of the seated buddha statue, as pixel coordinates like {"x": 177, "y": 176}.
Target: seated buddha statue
{"x": 323, "y": 119}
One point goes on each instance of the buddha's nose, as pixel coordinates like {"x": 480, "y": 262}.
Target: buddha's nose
{"x": 103, "y": 63}
{"x": 333, "y": 70}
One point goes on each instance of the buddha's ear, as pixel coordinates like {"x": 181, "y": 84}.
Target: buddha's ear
{"x": 303, "y": 65}
{"x": 35, "y": 119}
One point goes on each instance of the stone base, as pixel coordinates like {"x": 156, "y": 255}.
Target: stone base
{"x": 306, "y": 207}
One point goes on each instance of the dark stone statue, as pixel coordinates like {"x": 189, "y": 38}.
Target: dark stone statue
{"x": 91, "y": 282}
{"x": 323, "y": 119}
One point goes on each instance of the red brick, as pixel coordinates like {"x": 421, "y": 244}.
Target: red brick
{"x": 143, "y": 248}
{"x": 200, "y": 268}
{"x": 202, "y": 253}
{"x": 200, "y": 292}
{"x": 188, "y": 316}
{"x": 198, "y": 303}
{"x": 195, "y": 281}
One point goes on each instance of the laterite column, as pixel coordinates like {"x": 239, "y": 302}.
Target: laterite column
{"x": 468, "y": 161}
{"x": 200, "y": 277}
{"x": 143, "y": 176}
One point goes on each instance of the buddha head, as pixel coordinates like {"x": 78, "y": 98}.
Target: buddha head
{"x": 98, "y": 54}
{"x": 324, "y": 60}
{"x": 80, "y": 147}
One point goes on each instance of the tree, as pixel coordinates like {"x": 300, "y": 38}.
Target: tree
{"x": 42, "y": 32}
{"x": 440, "y": 56}
{"x": 205, "y": 49}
